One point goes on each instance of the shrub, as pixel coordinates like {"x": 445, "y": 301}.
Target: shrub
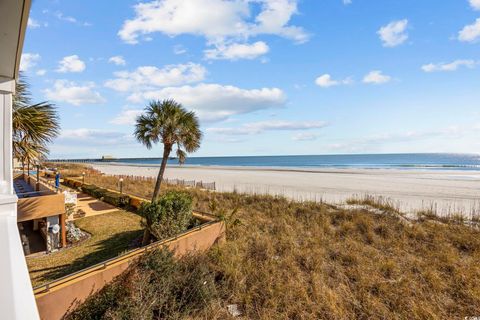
{"x": 97, "y": 305}
{"x": 67, "y": 182}
{"x": 100, "y": 192}
{"x": 157, "y": 287}
{"x": 116, "y": 199}
{"x": 94, "y": 190}
{"x": 168, "y": 216}
{"x": 89, "y": 189}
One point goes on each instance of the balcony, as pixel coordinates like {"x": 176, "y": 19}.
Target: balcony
{"x": 41, "y": 215}
{"x": 36, "y": 203}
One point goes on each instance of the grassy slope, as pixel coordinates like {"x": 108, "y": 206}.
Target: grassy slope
{"x": 111, "y": 235}
{"x": 311, "y": 261}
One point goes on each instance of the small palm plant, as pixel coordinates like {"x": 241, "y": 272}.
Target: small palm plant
{"x": 169, "y": 123}
{"x": 34, "y": 125}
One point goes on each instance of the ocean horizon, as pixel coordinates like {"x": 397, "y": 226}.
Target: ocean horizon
{"x": 426, "y": 161}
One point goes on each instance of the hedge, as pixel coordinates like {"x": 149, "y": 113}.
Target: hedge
{"x": 114, "y": 198}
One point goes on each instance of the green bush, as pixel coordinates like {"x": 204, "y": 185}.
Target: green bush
{"x": 90, "y": 189}
{"x": 94, "y": 190}
{"x": 116, "y": 199}
{"x": 99, "y": 193}
{"x": 68, "y": 182}
{"x": 169, "y": 216}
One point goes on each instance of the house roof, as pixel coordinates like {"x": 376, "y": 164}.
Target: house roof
{"x": 13, "y": 24}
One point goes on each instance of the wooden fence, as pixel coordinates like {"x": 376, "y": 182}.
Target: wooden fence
{"x": 174, "y": 182}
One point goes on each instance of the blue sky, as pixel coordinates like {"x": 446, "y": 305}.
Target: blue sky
{"x": 266, "y": 77}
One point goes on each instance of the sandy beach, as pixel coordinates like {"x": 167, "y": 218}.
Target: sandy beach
{"x": 411, "y": 190}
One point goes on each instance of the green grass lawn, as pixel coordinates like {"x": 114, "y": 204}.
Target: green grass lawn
{"x": 111, "y": 234}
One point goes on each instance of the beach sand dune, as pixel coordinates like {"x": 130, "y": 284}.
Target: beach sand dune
{"x": 445, "y": 191}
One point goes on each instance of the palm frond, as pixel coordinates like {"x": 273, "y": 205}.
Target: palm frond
{"x": 181, "y": 155}
{"x": 170, "y": 123}
{"x": 34, "y": 125}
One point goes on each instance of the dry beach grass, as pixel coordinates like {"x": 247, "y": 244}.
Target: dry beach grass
{"x": 290, "y": 260}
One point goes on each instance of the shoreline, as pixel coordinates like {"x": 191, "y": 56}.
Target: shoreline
{"x": 445, "y": 191}
{"x": 340, "y": 170}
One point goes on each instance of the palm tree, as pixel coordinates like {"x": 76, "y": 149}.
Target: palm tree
{"x": 29, "y": 153}
{"x": 34, "y": 125}
{"x": 169, "y": 123}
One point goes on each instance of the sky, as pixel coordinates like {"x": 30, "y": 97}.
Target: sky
{"x": 265, "y": 77}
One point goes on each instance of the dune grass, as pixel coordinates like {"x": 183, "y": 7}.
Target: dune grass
{"x": 290, "y": 260}
{"x": 186, "y": 286}
{"x": 309, "y": 261}
{"x": 111, "y": 234}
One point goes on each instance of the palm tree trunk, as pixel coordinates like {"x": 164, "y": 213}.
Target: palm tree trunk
{"x": 166, "y": 153}
{"x": 146, "y": 236}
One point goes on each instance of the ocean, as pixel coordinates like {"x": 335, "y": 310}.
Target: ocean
{"x": 429, "y": 161}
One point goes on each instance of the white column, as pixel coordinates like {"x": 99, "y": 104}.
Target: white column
{"x": 16, "y": 295}
{"x": 7, "y": 87}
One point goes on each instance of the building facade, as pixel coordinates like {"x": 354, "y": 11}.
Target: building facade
{"x": 16, "y": 294}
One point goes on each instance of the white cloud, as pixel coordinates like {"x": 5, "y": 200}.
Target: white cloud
{"x": 237, "y": 51}
{"x": 70, "y": 92}
{"x": 28, "y": 61}
{"x": 376, "y": 77}
{"x": 228, "y": 139}
{"x": 96, "y": 137}
{"x": 347, "y": 2}
{"x": 127, "y": 117}
{"x": 394, "y": 33}
{"x": 216, "y": 20}
{"x": 470, "y": 33}
{"x": 274, "y": 18}
{"x": 71, "y": 64}
{"x": 179, "y": 49}
{"x": 61, "y": 16}
{"x": 41, "y": 72}
{"x": 475, "y": 4}
{"x": 148, "y": 77}
{"x": 305, "y": 136}
{"x": 32, "y": 23}
{"x": 326, "y": 81}
{"x": 84, "y": 133}
{"x": 273, "y": 125}
{"x": 118, "y": 60}
{"x": 213, "y": 102}
{"x": 452, "y": 66}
